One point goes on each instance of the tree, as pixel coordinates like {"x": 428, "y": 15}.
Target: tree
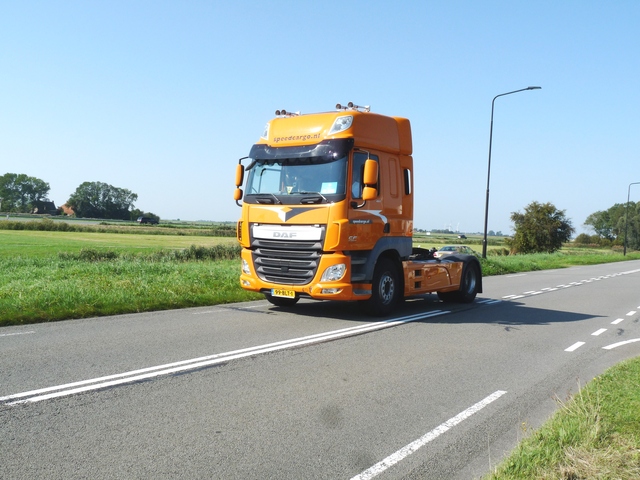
{"x": 541, "y": 228}
{"x": 101, "y": 200}
{"x": 19, "y": 191}
{"x": 632, "y": 226}
{"x": 609, "y": 223}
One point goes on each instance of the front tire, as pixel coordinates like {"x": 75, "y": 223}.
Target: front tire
{"x": 385, "y": 289}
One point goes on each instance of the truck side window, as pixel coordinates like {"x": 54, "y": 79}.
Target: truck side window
{"x": 357, "y": 172}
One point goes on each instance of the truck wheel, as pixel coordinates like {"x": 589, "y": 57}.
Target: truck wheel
{"x": 385, "y": 289}
{"x": 281, "y": 301}
{"x": 469, "y": 286}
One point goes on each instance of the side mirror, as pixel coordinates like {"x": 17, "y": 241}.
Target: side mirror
{"x": 239, "y": 176}
{"x": 370, "y": 180}
{"x": 369, "y": 193}
{"x": 370, "y": 173}
{"x": 237, "y": 194}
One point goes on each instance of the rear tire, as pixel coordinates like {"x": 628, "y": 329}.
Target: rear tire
{"x": 385, "y": 289}
{"x": 469, "y": 286}
{"x": 281, "y": 301}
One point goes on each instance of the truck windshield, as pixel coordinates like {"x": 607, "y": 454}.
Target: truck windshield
{"x": 297, "y": 176}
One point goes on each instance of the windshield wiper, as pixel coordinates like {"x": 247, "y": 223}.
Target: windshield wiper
{"x": 260, "y": 199}
{"x": 314, "y": 199}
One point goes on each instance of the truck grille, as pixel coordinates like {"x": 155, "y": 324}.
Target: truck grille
{"x": 286, "y": 261}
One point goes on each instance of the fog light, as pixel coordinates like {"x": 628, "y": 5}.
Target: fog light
{"x": 331, "y": 291}
{"x": 245, "y": 267}
{"x": 246, "y": 283}
{"x": 334, "y": 273}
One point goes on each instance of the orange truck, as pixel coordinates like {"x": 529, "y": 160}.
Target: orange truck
{"x": 327, "y": 213}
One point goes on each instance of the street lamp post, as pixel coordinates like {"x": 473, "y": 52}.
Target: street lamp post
{"x": 486, "y": 208}
{"x": 626, "y": 217}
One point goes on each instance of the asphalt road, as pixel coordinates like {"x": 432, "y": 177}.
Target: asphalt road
{"x": 253, "y": 391}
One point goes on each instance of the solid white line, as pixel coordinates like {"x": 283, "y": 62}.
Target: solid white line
{"x": 574, "y": 347}
{"x": 617, "y": 321}
{"x": 598, "y": 332}
{"x": 17, "y": 333}
{"x": 619, "y": 344}
{"x": 167, "y": 369}
{"x": 407, "y": 450}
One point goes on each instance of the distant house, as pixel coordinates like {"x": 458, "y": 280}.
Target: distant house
{"x": 44, "y": 207}
{"x": 67, "y": 210}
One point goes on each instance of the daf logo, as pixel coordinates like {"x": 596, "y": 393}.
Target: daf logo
{"x": 284, "y": 234}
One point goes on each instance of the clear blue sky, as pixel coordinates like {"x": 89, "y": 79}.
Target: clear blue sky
{"x": 163, "y": 97}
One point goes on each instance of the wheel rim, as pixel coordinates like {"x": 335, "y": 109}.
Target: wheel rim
{"x": 387, "y": 289}
{"x": 471, "y": 281}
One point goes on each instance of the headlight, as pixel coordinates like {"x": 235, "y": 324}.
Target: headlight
{"x": 334, "y": 273}
{"x": 245, "y": 267}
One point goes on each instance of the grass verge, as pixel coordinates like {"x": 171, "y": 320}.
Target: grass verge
{"x": 593, "y": 435}
{"x": 106, "y": 282}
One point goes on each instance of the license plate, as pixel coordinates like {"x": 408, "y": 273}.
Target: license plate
{"x": 277, "y": 292}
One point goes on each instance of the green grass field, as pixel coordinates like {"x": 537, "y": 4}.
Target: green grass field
{"x": 26, "y": 243}
{"x": 48, "y": 276}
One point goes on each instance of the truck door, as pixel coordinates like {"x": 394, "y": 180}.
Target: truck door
{"x": 366, "y": 222}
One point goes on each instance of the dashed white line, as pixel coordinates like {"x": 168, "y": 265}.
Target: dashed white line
{"x": 489, "y": 301}
{"x": 619, "y": 344}
{"x": 617, "y": 321}
{"x": 574, "y": 347}
{"x": 599, "y": 332}
{"x": 631, "y": 313}
{"x": 16, "y": 333}
{"x": 407, "y": 450}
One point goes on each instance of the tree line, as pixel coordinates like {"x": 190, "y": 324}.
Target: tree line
{"x": 20, "y": 193}
{"x": 613, "y": 225}
{"x": 541, "y": 228}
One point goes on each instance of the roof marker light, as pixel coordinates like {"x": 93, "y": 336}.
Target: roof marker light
{"x": 284, "y": 113}
{"x": 351, "y": 106}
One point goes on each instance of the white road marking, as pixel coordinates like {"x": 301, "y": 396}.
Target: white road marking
{"x": 574, "y": 347}
{"x": 407, "y": 450}
{"x": 598, "y": 332}
{"x": 192, "y": 364}
{"x": 571, "y": 284}
{"x": 17, "y": 333}
{"x": 619, "y": 344}
{"x": 631, "y": 313}
{"x": 617, "y": 321}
